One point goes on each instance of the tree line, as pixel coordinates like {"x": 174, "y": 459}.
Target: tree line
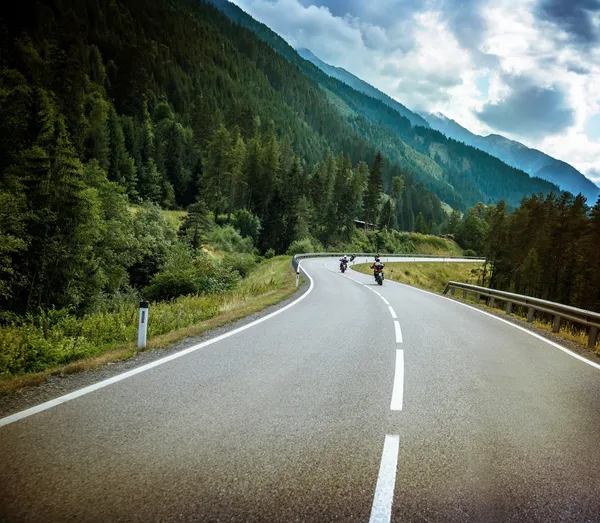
{"x": 549, "y": 247}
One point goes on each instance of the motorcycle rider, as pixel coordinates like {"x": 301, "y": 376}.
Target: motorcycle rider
{"x": 377, "y": 265}
{"x": 343, "y": 262}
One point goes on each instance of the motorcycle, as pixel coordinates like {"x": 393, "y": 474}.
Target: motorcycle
{"x": 343, "y": 266}
{"x": 379, "y": 275}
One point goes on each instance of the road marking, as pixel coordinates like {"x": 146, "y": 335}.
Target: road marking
{"x": 105, "y": 383}
{"x": 384, "y": 300}
{"x": 398, "y": 390}
{"x": 381, "y": 511}
{"x": 392, "y": 312}
{"x": 527, "y": 331}
{"x": 398, "y": 332}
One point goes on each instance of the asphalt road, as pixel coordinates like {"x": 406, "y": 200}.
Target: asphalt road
{"x": 327, "y": 411}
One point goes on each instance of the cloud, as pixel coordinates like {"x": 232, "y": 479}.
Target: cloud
{"x": 529, "y": 110}
{"x": 575, "y": 17}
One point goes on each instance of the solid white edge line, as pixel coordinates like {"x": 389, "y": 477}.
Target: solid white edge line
{"x": 398, "y": 332}
{"x": 392, "y": 312}
{"x": 105, "y": 383}
{"x": 527, "y": 331}
{"x": 385, "y": 301}
{"x": 398, "y": 390}
{"x": 381, "y": 510}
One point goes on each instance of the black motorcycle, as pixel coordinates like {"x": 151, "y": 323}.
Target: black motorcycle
{"x": 343, "y": 265}
{"x": 378, "y": 272}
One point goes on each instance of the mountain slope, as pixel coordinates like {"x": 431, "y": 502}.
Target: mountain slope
{"x": 468, "y": 175}
{"x": 532, "y": 161}
{"x": 362, "y": 86}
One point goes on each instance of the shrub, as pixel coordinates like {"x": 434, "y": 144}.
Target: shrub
{"x": 247, "y": 224}
{"x": 243, "y": 263}
{"x": 183, "y": 275}
{"x": 305, "y": 245}
{"x": 229, "y": 240}
{"x": 269, "y": 254}
{"x": 470, "y": 252}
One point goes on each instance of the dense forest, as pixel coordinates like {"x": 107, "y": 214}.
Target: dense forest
{"x": 549, "y": 247}
{"x": 104, "y": 105}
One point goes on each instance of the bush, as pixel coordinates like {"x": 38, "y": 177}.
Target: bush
{"x": 247, "y": 223}
{"x": 229, "y": 240}
{"x": 243, "y": 263}
{"x": 304, "y": 246}
{"x": 269, "y": 254}
{"x": 470, "y": 252}
{"x": 183, "y": 275}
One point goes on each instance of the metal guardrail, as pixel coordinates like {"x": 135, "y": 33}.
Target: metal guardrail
{"x": 558, "y": 311}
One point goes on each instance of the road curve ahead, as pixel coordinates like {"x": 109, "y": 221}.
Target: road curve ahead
{"x": 358, "y": 403}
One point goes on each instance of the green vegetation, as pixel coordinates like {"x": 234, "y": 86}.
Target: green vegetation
{"x": 56, "y": 338}
{"x": 432, "y": 276}
{"x": 547, "y": 248}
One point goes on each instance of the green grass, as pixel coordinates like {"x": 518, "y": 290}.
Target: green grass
{"x": 432, "y": 276}
{"x": 60, "y": 343}
{"x": 429, "y": 244}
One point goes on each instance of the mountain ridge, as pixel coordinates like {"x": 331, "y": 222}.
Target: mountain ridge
{"x": 360, "y": 85}
{"x": 518, "y": 155}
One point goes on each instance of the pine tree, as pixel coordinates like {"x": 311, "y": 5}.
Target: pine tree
{"x": 374, "y": 191}
{"x": 196, "y": 225}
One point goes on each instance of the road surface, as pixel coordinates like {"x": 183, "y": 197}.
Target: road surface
{"x": 356, "y": 403}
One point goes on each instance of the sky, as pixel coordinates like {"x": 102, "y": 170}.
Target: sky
{"x": 526, "y": 69}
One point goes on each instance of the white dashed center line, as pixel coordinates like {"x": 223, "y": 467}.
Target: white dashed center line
{"x": 398, "y": 390}
{"x": 381, "y": 511}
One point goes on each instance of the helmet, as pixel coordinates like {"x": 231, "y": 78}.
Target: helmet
{"x": 377, "y": 259}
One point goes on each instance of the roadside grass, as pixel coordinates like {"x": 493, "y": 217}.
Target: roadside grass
{"x": 30, "y": 353}
{"x": 432, "y": 276}
{"x": 428, "y": 244}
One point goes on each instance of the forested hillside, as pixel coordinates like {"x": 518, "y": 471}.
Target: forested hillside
{"x": 459, "y": 174}
{"x": 362, "y": 86}
{"x": 106, "y": 104}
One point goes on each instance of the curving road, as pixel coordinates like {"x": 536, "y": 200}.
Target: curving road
{"x": 356, "y": 403}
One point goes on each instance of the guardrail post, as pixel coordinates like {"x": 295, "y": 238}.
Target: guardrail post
{"x": 492, "y": 302}
{"x": 509, "y": 307}
{"x": 593, "y": 337}
{"x": 464, "y": 294}
{"x": 556, "y": 323}
{"x": 477, "y": 298}
{"x": 530, "y": 313}
{"x": 143, "y": 325}
{"x": 452, "y": 290}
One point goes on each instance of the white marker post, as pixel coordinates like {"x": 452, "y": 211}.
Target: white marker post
{"x": 298, "y": 274}
{"x": 143, "y": 325}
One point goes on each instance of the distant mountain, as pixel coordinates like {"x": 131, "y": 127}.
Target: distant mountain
{"x": 532, "y": 161}
{"x": 360, "y": 85}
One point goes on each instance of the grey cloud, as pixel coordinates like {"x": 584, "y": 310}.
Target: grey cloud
{"x": 573, "y": 16}
{"x": 529, "y": 110}
{"x": 578, "y": 69}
